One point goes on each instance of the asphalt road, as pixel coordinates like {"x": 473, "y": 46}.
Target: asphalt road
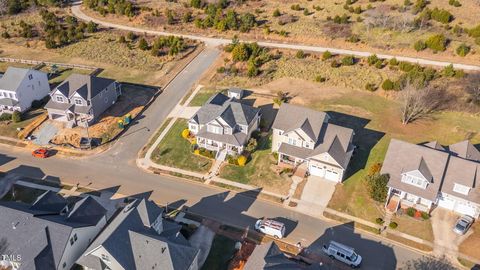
{"x": 77, "y": 12}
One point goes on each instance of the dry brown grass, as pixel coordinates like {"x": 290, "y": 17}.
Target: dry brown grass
{"x": 471, "y": 245}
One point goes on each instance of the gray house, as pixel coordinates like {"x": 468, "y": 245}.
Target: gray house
{"x": 139, "y": 238}
{"x": 224, "y": 124}
{"x": 50, "y": 233}
{"x": 303, "y": 136}
{"x": 81, "y": 99}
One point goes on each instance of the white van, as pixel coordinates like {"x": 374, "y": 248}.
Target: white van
{"x": 270, "y": 227}
{"x": 342, "y": 253}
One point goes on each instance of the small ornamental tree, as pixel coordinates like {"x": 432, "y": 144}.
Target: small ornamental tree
{"x": 437, "y": 43}
{"x": 377, "y": 186}
{"x": 242, "y": 160}
{"x": 388, "y": 85}
{"x": 185, "y": 133}
{"x": 16, "y": 117}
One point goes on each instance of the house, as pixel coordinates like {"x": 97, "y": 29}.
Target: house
{"x": 81, "y": 99}
{"x": 302, "y": 136}
{"x": 428, "y": 175}
{"x": 50, "y": 233}
{"x": 224, "y": 124}
{"x": 19, "y": 87}
{"x": 139, "y": 238}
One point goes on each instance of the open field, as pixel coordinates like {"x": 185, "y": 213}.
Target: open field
{"x": 312, "y": 22}
{"x": 175, "y": 151}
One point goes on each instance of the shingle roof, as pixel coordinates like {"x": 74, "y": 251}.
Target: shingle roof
{"x": 51, "y": 104}
{"x": 237, "y": 138}
{"x": 464, "y": 172}
{"x": 12, "y": 78}
{"x": 402, "y": 157}
{"x": 8, "y": 102}
{"x": 85, "y": 85}
{"x": 435, "y": 145}
{"x": 465, "y": 150}
{"x": 49, "y": 202}
{"x": 269, "y": 256}
{"x": 291, "y": 117}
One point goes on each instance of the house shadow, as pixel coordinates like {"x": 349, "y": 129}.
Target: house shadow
{"x": 35, "y": 175}
{"x": 364, "y": 139}
{"x": 4, "y": 159}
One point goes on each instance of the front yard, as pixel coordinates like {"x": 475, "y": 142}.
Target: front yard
{"x": 415, "y": 227}
{"x": 260, "y": 171}
{"x": 175, "y": 151}
{"x": 471, "y": 245}
{"x": 9, "y": 128}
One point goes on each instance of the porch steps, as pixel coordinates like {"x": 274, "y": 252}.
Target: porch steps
{"x": 221, "y": 155}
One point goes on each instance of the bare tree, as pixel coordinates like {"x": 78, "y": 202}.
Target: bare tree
{"x": 3, "y": 6}
{"x": 473, "y": 88}
{"x": 420, "y": 103}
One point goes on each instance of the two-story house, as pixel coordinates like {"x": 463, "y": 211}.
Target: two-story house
{"x": 138, "y": 237}
{"x": 224, "y": 123}
{"x": 19, "y": 87}
{"x": 81, "y": 99}
{"x": 428, "y": 175}
{"x": 304, "y": 136}
{"x": 51, "y": 233}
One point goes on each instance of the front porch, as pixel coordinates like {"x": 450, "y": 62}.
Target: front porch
{"x": 397, "y": 199}
{"x": 285, "y": 160}
{"x": 218, "y": 146}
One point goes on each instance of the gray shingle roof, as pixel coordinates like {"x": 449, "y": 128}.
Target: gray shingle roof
{"x": 130, "y": 239}
{"x": 402, "y": 157}
{"x": 49, "y": 202}
{"x": 237, "y": 138}
{"x": 434, "y": 145}
{"x": 269, "y": 256}
{"x": 8, "y": 102}
{"x": 12, "y": 78}
{"x": 58, "y": 106}
{"x": 85, "y": 85}
{"x": 464, "y": 172}
{"x": 465, "y": 150}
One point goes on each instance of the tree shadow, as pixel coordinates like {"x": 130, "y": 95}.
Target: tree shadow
{"x": 428, "y": 263}
{"x": 364, "y": 139}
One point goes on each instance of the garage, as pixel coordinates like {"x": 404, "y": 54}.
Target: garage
{"x": 446, "y": 202}
{"x": 58, "y": 117}
{"x": 332, "y": 176}
{"x": 316, "y": 170}
{"x": 465, "y": 209}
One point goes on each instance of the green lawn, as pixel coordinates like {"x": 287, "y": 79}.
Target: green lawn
{"x": 175, "y": 151}
{"x": 221, "y": 252}
{"x": 202, "y": 96}
{"x": 9, "y": 128}
{"x": 418, "y": 228}
{"x": 258, "y": 171}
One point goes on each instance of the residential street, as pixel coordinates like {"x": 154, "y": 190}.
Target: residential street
{"x": 76, "y": 11}
{"x": 116, "y": 169}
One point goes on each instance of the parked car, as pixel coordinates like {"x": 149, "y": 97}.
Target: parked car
{"x": 41, "y": 153}
{"x": 463, "y": 224}
{"x": 342, "y": 253}
{"x": 270, "y": 227}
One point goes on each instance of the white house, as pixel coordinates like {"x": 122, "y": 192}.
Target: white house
{"x": 19, "y": 87}
{"x": 304, "y": 136}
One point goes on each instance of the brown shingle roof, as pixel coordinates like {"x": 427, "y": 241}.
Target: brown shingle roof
{"x": 465, "y": 150}
{"x": 464, "y": 172}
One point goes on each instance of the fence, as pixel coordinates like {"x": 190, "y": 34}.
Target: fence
{"x": 36, "y": 62}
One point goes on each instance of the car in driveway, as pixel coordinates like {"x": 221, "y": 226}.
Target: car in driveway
{"x": 463, "y": 224}
{"x": 270, "y": 227}
{"x": 41, "y": 153}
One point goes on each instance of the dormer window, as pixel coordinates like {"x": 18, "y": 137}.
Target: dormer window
{"x": 461, "y": 189}
{"x": 414, "y": 181}
{"x": 78, "y": 101}
{"x": 292, "y": 141}
{"x": 59, "y": 99}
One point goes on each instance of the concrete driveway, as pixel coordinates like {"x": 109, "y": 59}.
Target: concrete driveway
{"x": 45, "y": 134}
{"x": 316, "y": 195}
{"x": 446, "y": 241}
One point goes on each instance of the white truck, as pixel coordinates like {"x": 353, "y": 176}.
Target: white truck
{"x": 270, "y": 227}
{"x": 342, "y": 253}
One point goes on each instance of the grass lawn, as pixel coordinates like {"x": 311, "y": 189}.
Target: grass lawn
{"x": 222, "y": 250}
{"x": 258, "y": 172}
{"x": 471, "y": 245}
{"x": 9, "y": 128}
{"x": 175, "y": 151}
{"x": 418, "y": 228}
{"x": 202, "y": 96}
{"x": 23, "y": 194}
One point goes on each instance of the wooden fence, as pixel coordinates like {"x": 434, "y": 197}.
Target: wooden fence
{"x": 36, "y": 62}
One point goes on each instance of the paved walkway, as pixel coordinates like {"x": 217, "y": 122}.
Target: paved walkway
{"x": 77, "y": 12}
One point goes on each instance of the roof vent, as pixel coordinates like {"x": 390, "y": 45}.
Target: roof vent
{"x": 14, "y": 225}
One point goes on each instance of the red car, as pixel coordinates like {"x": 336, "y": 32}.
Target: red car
{"x": 41, "y": 153}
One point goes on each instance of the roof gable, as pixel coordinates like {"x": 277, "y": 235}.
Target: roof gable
{"x": 13, "y": 78}
{"x": 466, "y": 150}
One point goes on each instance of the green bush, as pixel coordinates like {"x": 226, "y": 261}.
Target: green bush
{"x": 143, "y": 44}
{"x": 335, "y": 64}
{"x": 463, "y": 50}
{"x": 377, "y": 186}
{"x": 387, "y": 85}
{"x": 379, "y": 64}
{"x": 425, "y": 215}
{"x": 419, "y": 46}
{"x": 16, "y": 117}
{"x": 474, "y": 32}
{"x": 348, "y": 60}
{"x": 5, "y": 117}
{"x": 411, "y": 211}
{"x": 379, "y": 221}
{"x": 393, "y": 225}
{"x": 300, "y": 54}
{"x": 353, "y": 38}
{"x": 437, "y": 43}
{"x": 448, "y": 71}
{"x": 326, "y": 55}
{"x": 319, "y": 78}
{"x": 372, "y": 59}
{"x": 441, "y": 15}
{"x": 405, "y": 66}
{"x": 276, "y": 13}
{"x": 454, "y": 3}
{"x": 393, "y": 62}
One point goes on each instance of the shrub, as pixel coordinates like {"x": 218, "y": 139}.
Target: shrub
{"x": 319, "y": 78}
{"x": 276, "y": 13}
{"x": 185, "y": 133}
{"x": 393, "y": 225}
{"x": 374, "y": 169}
{"x": 92, "y": 27}
{"x": 463, "y": 50}
{"x": 411, "y": 211}
{"x": 449, "y": 71}
{"x": 393, "y": 62}
{"x": 377, "y": 186}
{"x": 387, "y": 85}
{"x": 418, "y": 214}
{"x": 379, "y": 221}
{"x": 143, "y": 44}
{"x": 419, "y": 46}
{"x": 326, "y": 55}
{"x": 252, "y": 145}
{"x": 122, "y": 39}
{"x": 405, "y": 66}
{"x": 348, "y": 60}
{"x": 379, "y": 64}
{"x": 437, "y": 43}
{"x": 131, "y": 36}
{"x": 335, "y": 64}
{"x": 441, "y": 15}
{"x": 196, "y": 151}
{"x": 370, "y": 87}
{"x": 16, "y": 117}
{"x": 5, "y": 117}
{"x": 424, "y": 215}
{"x": 372, "y": 59}
{"x": 5, "y": 35}
{"x": 454, "y": 3}
{"x": 242, "y": 160}
{"x": 300, "y": 54}
{"x": 474, "y": 32}
{"x": 353, "y": 39}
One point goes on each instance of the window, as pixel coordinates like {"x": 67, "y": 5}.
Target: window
{"x": 59, "y": 98}
{"x": 105, "y": 258}
{"x": 75, "y": 237}
{"x": 78, "y": 101}
{"x": 461, "y": 189}
{"x": 280, "y": 132}
{"x": 10, "y": 95}
{"x": 412, "y": 180}
{"x": 292, "y": 141}
{"x": 307, "y": 145}
{"x": 30, "y": 76}
{"x": 39, "y": 84}
{"x": 71, "y": 241}
{"x": 1, "y": 94}
{"x": 64, "y": 265}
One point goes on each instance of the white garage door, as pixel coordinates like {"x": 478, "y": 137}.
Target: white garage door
{"x": 331, "y": 175}
{"x": 316, "y": 170}
{"x": 465, "y": 209}
{"x": 446, "y": 202}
